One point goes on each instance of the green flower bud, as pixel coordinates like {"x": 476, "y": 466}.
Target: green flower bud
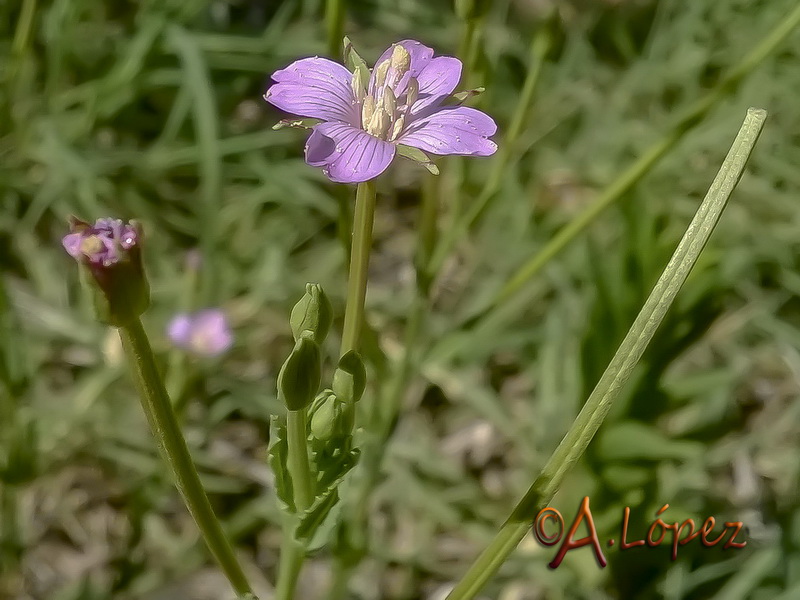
{"x": 326, "y": 417}
{"x": 350, "y": 378}
{"x": 312, "y": 313}
{"x": 300, "y": 375}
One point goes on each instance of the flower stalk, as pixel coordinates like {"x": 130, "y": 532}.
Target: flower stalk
{"x": 297, "y": 461}
{"x": 158, "y": 410}
{"x": 619, "y": 370}
{"x": 110, "y": 259}
{"x": 363, "y": 221}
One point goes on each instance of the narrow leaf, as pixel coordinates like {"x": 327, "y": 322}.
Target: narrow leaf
{"x": 278, "y": 453}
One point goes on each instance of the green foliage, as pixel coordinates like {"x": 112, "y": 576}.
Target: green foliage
{"x": 153, "y": 111}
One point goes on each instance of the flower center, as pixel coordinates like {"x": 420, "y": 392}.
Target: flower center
{"x": 386, "y": 105}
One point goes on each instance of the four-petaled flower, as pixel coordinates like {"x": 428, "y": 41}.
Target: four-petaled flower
{"x": 205, "y": 333}
{"x": 364, "y": 121}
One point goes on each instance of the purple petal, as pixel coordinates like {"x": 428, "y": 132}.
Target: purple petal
{"x": 314, "y": 87}
{"x": 437, "y": 81}
{"x": 211, "y": 334}
{"x": 452, "y": 130}
{"x": 72, "y": 244}
{"x": 420, "y": 54}
{"x": 347, "y": 154}
{"x": 179, "y": 330}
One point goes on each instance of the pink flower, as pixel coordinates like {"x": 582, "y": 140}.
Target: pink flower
{"x": 103, "y": 244}
{"x": 205, "y": 333}
{"x": 363, "y": 122}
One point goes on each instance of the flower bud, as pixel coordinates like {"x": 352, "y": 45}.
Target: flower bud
{"x": 326, "y": 417}
{"x": 300, "y": 375}
{"x": 350, "y": 378}
{"x": 111, "y": 266}
{"x": 312, "y": 313}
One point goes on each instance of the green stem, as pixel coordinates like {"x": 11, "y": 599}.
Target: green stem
{"x": 292, "y": 552}
{"x": 22, "y": 32}
{"x": 620, "y": 368}
{"x": 359, "y": 264}
{"x": 641, "y": 167}
{"x": 384, "y": 410}
{"x": 297, "y": 460}
{"x": 540, "y": 46}
{"x": 334, "y": 19}
{"x": 291, "y": 562}
{"x": 158, "y": 409}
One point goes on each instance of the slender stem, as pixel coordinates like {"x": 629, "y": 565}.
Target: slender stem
{"x": 690, "y": 119}
{"x": 297, "y": 460}
{"x": 334, "y": 19}
{"x": 291, "y": 562}
{"x": 292, "y": 552}
{"x": 22, "y": 32}
{"x": 383, "y": 410}
{"x": 160, "y": 416}
{"x": 359, "y": 264}
{"x": 621, "y": 367}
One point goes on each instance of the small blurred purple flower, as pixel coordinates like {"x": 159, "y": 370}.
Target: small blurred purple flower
{"x": 363, "y": 123}
{"x": 205, "y": 333}
{"x": 103, "y": 244}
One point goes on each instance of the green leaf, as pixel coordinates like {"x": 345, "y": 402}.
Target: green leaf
{"x": 333, "y": 459}
{"x": 278, "y": 453}
{"x": 418, "y": 156}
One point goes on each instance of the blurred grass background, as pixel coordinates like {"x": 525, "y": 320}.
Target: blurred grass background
{"x": 152, "y": 110}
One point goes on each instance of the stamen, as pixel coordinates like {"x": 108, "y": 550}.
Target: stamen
{"x": 380, "y": 73}
{"x": 359, "y": 91}
{"x": 389, "y": 102}
{"x": 379, "y": 124}
{"x": 91, "y": 245}
{"x": 398, "y": 127}
{"x": 412, "y": 91}
{"x": 367, "y": 110}
{"x": 400, "y": 60}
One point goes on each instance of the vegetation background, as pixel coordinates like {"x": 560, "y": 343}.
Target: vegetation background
{"x": 152, "y": 110}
